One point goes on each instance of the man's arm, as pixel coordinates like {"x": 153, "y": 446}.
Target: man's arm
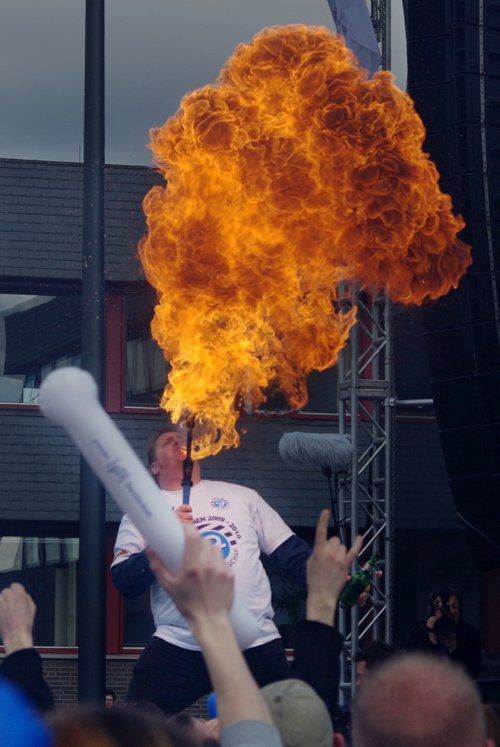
{"x": 132, "y": 576}
{"x": 290, "y": 558}
{"x": 317, "y": 660}
{"x": 419, "y": 638}
{"x": 130, "y": 568}
{"x": 22, "y": 664}
{"x": 319, "y": 644}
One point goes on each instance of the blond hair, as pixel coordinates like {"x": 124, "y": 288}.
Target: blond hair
{"x": 415, "y": 700}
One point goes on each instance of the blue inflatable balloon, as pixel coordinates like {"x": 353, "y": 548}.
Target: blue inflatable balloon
{"x": 20, "y": 725}
{"x": 212, "y": 705}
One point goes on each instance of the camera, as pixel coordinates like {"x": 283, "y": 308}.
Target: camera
{"x": 444, "y": 627}
{"x": 443, "y": 608}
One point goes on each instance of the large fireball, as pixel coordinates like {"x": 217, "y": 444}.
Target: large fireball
{"x": 292, "y": 172}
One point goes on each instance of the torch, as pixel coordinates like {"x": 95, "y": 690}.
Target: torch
{"x": 187, "y": 465}
{"x": 68, "y": 397}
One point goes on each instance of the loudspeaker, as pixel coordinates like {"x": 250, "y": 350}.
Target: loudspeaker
{"x": 454, "y": 80}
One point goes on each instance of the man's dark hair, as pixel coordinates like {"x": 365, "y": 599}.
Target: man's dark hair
{"x": 375, "y": 652}
{"x": 444, "y": 593}
{"x": 110, "y": 691}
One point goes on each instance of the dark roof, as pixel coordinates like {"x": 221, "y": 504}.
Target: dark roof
{"x": 41, "y": 218}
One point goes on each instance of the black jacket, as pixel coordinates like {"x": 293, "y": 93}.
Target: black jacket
{"x": 24, "y": 669}
{"x": 467, "y": 653}
{"x": 317, "y": 660}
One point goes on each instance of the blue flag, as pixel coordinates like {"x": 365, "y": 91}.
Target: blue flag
{"x": 353, "y": 21}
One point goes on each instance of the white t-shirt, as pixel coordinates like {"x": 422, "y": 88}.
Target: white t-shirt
{"x": 243, "y": 525}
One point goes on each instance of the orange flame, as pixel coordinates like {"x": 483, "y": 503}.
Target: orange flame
{"x": 289, "y": 174}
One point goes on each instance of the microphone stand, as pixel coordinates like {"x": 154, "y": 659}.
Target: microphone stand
{"x": 187, "y": 465}
{"x": 327, "y": 471}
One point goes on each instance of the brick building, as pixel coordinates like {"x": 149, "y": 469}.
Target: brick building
{"x": 40, "y": 317}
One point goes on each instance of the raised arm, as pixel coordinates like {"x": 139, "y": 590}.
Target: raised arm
{"x": 319, "y": 644}
{"x": 327, "y": 571}
{"x": 22, "y": 664}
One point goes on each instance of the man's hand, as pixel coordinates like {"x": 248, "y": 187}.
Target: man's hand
{"x": 184, "y": 512}
{"x": 327, "y": 571}
{"x": 202, "y": 589}
{"x": 17, "y": 616}
{"x": 429, "y": 626}
{"x": 448, "y": 640}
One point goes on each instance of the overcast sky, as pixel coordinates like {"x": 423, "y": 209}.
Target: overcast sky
{"x": 156, "y": 51}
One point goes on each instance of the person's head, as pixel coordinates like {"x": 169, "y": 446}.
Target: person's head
{"x": 415, "y": 700}
{"x": 166, "y": 452}
{"x": 166, "y": 441}
{"x": 445, "y": 602}
{"x": 299, "y": 714}
{"x": 108, "y": 727}
{"x": 188, "y": 731}
{"x": 109, "y": 697}
{"x": 370, "y": 656}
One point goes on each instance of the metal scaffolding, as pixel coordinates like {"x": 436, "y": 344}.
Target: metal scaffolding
{"x": 366, "y": 406}
{"x": 381, "y": 20}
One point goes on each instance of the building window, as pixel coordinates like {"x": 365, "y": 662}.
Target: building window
{"x": 146, "y": 368}
{"x": 47, "y": 568}
{"x": 322, "y": 392}
{"x": 38, "y": 333}
{"x": 322, "y": 388}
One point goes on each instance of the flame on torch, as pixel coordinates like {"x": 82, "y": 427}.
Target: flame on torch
{"x": 292, "y": 172}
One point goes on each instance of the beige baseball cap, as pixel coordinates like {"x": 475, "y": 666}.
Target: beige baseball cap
{"x": 299, "y": 714}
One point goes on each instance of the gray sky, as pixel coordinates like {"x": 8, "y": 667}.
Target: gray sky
{"x": 156, "y": 51}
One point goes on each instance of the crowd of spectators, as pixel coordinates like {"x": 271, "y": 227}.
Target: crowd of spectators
{"x": 406, "y": 698}
{"x": 425, "y": 696}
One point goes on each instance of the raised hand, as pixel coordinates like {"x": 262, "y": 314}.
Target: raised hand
{"x": 327, "y": 571}
{"x": 17, "y": 617}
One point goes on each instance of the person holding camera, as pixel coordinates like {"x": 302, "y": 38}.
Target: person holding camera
{"x": 444, "y": 632}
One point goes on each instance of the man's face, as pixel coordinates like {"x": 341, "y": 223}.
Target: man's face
{"x": 453, "y": 607}
{"x": 170, "y": 451}
{"x": 109, "y": 701}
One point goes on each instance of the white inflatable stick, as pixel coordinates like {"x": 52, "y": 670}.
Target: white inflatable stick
{"x": 68, "y": 397}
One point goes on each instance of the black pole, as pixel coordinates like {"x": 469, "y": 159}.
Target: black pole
{"x": 91, "y": 581}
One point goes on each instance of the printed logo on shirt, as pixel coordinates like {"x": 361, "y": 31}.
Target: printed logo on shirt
{"x": 220, "y": 503}
{"x": 221, "y": 542}
{"x": 222, "y": 534}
